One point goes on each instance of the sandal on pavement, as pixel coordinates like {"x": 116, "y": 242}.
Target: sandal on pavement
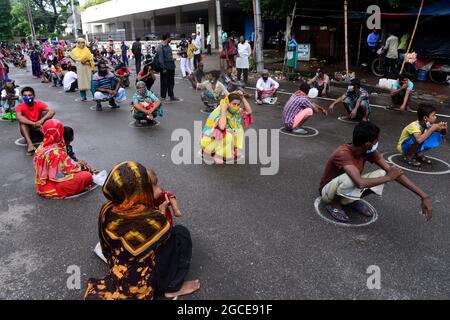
{"x": 424, "y": 159}
{"x": 337, "y": 214}
{"x": 361, "y": 208}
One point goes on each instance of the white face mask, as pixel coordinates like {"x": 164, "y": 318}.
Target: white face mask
{"x": 351, "y": 88}
{"x": 429, "y": 125}
{"x": 373, "y": 149}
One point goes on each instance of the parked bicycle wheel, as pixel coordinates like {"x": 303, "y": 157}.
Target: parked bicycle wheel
{"x": 439, "y": 75}
{"x": 410, "y": 71}
{"x": 378, "y": 67}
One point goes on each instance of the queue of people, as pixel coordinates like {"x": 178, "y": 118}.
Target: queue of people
{"x": 138, "y": 240}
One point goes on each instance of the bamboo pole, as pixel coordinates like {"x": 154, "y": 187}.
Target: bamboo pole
{"x": 346, "y": 37}
{"x": 359, "y": 45}
{"x": 412, "y": 36}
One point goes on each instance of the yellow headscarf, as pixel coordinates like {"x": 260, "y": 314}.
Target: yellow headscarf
{"x": 82, "y": 55}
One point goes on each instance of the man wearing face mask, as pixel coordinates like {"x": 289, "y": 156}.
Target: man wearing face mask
{"x": 343, "y": 183}
{"x": 167, "y": 64}
{"x": 356, "y": 102}
{"x": 31, "y": 115}
{"x": 266, "y": 88}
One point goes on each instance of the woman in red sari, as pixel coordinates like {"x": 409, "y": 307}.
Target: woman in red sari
{"x": 57, "y": 175}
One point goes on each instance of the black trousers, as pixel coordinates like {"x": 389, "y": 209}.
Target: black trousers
{"x": 196, "y": 60}
{"x": 138, "y": 63}
{"x": 391, "y": 68}
{"x": 208, "y": 49}
{"x": 167, "y": 83}
{"x": 239, "y": 73}
{"x": 73, "y": 86}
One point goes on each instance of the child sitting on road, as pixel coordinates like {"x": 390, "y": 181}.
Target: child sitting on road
{"x": 57, "y": 75}
{"x": 420, "y": 136}
{"x": 10, "y": 98}
{"x": 68, "y": 138}
{"x": 162, "y": 195}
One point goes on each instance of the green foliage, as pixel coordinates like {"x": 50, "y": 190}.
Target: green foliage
{"x": 49, "y": 17}
{"x": 91, "y": 3}
{"x": 5, "y": 21}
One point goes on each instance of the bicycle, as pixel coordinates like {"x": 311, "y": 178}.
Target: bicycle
{"x": 378, "y": 67}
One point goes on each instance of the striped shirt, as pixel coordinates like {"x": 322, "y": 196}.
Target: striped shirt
{"x": 296, "y": 103}
{"x": 107, "y": 82}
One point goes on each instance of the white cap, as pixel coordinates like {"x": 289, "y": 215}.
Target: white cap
{"x": 313, "y": 93}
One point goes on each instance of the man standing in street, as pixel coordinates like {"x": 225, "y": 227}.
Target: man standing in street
{"x": 208, "y": 44}
{"x": 196, "y": 40}
{"x": 391, "y": 48}
{"x": 184, "y": 62}
{"x": 136, "y": 49}
{"x": 242, "y": 63}
{"x": 167, "y": 68}
{"x": 373, "y": 42}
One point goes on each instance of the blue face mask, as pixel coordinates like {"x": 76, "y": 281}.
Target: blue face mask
{"x": 28, "y": 100}
{"x": 373, "y": 149}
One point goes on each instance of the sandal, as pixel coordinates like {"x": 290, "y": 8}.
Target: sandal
{"x": 361, "y": 208}
{"x": 31, "y": 152}
{"x": 424, "y": 159}
{"x": 412, "y": 162}
{"x": 337, "y": 214}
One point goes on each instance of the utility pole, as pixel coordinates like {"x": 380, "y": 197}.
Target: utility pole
{"x": 346, "y": 37}
{"x": 75, "y": 33}
{"x": 219, "y": 24}
{"x": 30, "y": 20}
{"x": 258, "y": 36}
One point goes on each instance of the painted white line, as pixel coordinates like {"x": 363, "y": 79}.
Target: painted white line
{"x": 419, "y": 171}
{"x": 132, "y": 125}
{"x": 316, "y": 132}
{"x": 348, "y": 224}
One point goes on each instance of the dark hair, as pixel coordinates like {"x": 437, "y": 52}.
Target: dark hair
{"x": 73, "y": 68}
{"x": 138, "y": 39}
{"x": 402, "y": 76}
{"x": 234, "y": 96}
{"x": 165, "y": 36}
{"x": 102, "y": 62}
{"x": 25, "y": 89}
{"x": 425, "y": 110}
{"x": 365, "y": 132}
{"x": 122, "y": 65}
{"x": 68, "y": 134}
{"x": 215, "y": 74}
{"x": 304, "y": 87}
{"x": 356, "y": 82}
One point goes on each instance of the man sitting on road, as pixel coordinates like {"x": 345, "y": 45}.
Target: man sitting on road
{"x": 123, "y": 73}
{"x": 343, "y": 183}
{"x": 356, "y": 102}
{"x": 400, "y": 92}
{"x": 266, "y": 89}
{"x": 107, "y": 87}
{"x": 70, "y": 80}
{"x": 31, "y": 115}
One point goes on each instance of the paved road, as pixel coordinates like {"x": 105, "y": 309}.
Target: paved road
{"x": 254, "y": 236}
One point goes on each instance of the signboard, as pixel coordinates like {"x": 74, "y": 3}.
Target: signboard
{"x": 304, "y": 52}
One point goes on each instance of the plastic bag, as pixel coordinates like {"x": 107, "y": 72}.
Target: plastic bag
{"x": 100, "y": 177}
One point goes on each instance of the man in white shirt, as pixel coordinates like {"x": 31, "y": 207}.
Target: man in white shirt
{"x": 266, "y": 88}
{"x": 208, "y": 44}
{"x": 242, "y": 64}
{"x": 70, "y": 81}
{"x": 391, "y": 55}
{"x": 196, "y": 40}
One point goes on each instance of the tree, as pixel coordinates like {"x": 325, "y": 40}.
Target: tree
{"x": 5, "y": 21}
{"x": 49, "y": 16}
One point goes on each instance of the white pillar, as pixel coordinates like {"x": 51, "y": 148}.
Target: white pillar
{"x": 212, "y": 27}
{"x": 133, "y": 28}
{"x": 152, "y": 22}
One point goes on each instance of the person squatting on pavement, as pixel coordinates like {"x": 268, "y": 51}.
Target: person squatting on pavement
{"x": 343, "y": 182}
{"x": 107, "y": 87}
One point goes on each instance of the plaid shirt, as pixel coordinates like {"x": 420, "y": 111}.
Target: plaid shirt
{"x": 296, "y": 103}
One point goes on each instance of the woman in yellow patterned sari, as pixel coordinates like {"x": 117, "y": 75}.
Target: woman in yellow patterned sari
{"x": 133, "y": 235}
{"x": 223, "y": 132}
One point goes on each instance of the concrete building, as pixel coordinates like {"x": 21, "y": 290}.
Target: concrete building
{"x": 128, "y": 19}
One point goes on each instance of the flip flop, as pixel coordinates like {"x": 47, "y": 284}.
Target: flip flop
{"x": 412, "y": 162}
{"x": 337, "y": 214}
{"x": 300, "y": 131}
{"x": 31, "y": 153}
{"x": 361, "y": 208}
{"x": 424, "y": 159}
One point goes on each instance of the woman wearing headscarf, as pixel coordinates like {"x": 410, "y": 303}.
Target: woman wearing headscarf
{"x": 85, "y": 65}
{"x": 35, "y": 57}
{"x": 48, "y": 51}
{"x": 57, "y": 175}
{"x": 146, "y": 106}
{"x": 144, "y": 254}
{"x": 223, "y": 132}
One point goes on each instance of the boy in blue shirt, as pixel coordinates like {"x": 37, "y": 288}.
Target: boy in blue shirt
{"x": 401, "y": 89}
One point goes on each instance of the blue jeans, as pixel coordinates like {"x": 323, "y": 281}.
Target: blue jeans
{"x": 433, "y": 141}
{"x": 363, "y": 110}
